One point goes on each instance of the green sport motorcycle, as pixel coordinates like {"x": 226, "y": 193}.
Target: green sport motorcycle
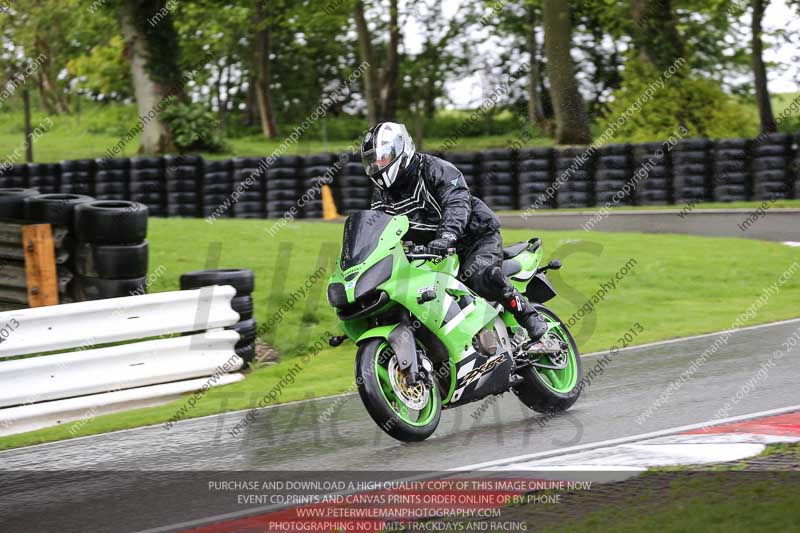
{"x": 426, "y": 342}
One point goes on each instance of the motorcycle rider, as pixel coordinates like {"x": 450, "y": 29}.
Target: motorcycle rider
{"x": 443, "y": 214}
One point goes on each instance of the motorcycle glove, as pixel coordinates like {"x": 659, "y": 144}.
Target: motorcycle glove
{"x": 441, "y": 244}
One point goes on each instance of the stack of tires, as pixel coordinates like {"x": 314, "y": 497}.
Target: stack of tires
{"x": 353, "y": 186}
{"x": 770, "y": 166}
{"x": 12, "y": 202}
{"x": 147, "y": 184}
{"x": 54, "y": 208}
{"x": 77, "y": 176}
{"x": 469, "y": 165}
{"x": 250, "y": 199}
{"x": 652, "y": 160}
{"x": 111, "y": 253}
{"x": 111, "y": 179}
{"x": 44, "y": 177}
{"x": 573, "y": 170}
{"x": 183, "y": 175}
{"x": 284, "y": 186}
{"x": 59, "y": 209}
{"x": 314, "y": 174}
{"x": 731, "y": 180}
{"x": 243, "y": 281}
{"x": 497, "y": 186}
{"x": 535, "y": 175}
{"x": 614, "y": 168}
{"x": 691, "y": 170}
{"x": 795, "y": 170}
{"x": 16, "y": 176}
{"x": 216, "y": 186}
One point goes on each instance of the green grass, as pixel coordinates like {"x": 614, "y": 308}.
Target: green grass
{"x": 782, "y": 101}
{"x": 69, "y": 141}
{"x": 722, "y": 499}
{"x": 711, "y": 503}
{"x": 679, "y": 286}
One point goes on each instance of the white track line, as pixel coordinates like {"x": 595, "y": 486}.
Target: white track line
{"x": 231, "y": 413}
{"x": 626, "y": 440}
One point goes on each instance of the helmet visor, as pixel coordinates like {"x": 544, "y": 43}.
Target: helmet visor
{"x": 383, "y": 155}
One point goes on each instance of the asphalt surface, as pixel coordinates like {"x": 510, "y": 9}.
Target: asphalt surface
{"x": 777, "y": 224}
{"x": 291, "y": 439}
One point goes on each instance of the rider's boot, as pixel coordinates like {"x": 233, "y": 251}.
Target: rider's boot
{"x": 526, "y": 315}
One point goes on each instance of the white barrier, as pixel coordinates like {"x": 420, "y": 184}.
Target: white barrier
{"x": 43, "y": 390}
{"x": 58, "y": 327}
{"x": 39, "y": 379}
{"x": 84, "y": 408}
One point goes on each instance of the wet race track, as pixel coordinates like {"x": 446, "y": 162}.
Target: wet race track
{"x": 620, "y": 401}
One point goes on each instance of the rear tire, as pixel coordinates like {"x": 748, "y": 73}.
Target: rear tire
{"x": 537, "y": 391}
{"x": 374, "y": 353}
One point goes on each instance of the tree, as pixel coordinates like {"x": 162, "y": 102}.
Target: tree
{"x": 391, "y": 72}
{"x": 535, "y": 105}
{"x": 572, "y": 122}
{"x": 46, "y": 34}
{"x": 655, "y": 35}
{"x": 262, "y": 48}
{"x": 104, "y": 72}
{"x": 154, "y": 55}
{"x": 599, "y": 36}
{"x": 367, "y": 56}
{"x": 768, "y": 124}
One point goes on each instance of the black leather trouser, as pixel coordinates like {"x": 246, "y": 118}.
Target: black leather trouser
{"x": 482, "y": 271}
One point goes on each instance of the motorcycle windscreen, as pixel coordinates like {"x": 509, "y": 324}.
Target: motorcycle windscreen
{"x": 362, "y": 233}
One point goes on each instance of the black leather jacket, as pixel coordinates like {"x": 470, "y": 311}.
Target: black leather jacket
{"x": 433, "y": 195}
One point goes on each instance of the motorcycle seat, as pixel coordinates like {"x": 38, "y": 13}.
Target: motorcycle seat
{"x": 511, "y": 267}
{"x": 515, "y": 249}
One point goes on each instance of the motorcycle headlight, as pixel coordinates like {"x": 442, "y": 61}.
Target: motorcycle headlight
{"x": 377, "y": 274}
{"x": 336, "y": 295}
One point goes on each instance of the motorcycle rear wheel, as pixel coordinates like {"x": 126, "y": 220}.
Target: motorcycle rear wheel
{"x": 382, "y": 398}
{"x": 550, "y": 391}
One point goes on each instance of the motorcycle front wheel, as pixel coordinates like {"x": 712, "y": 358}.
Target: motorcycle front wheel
{"x": 408, "y": 414}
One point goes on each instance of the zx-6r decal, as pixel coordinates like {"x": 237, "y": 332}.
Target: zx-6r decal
{"x": 468, "y": 375}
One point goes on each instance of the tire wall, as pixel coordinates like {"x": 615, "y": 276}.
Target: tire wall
{"x": 694, "y": 170}
{"x": 102, "y": 251}
{"x": 243, "y": 280}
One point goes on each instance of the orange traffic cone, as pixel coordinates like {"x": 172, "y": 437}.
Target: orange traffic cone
{"x": 329, "y": 211}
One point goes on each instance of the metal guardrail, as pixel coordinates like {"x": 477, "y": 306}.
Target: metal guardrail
{"x": 86, "y": 324}
{"x": 24, "y": 418}
{"x": 38, "y": 379}
{"x": 97, "y": 376}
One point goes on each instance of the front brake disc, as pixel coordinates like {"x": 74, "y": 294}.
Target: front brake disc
{"x": 413, "y": 396}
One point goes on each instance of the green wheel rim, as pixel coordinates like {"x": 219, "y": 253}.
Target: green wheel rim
{"x": 424, "y": 416}
{"x": 564, "y": 380}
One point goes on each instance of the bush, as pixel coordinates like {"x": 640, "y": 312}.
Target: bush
{"x": 700, "y": 105}
{"x": 449, "y": 123}
{"x": 193, "y": 128}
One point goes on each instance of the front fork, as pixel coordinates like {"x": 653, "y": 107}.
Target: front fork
{"x": 401, "y": 338}
{"x": 403, "y": 342}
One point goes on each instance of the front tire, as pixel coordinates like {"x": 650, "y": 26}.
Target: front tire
{"x": 382, "y": 400}
{"x": 551, "y": 391}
